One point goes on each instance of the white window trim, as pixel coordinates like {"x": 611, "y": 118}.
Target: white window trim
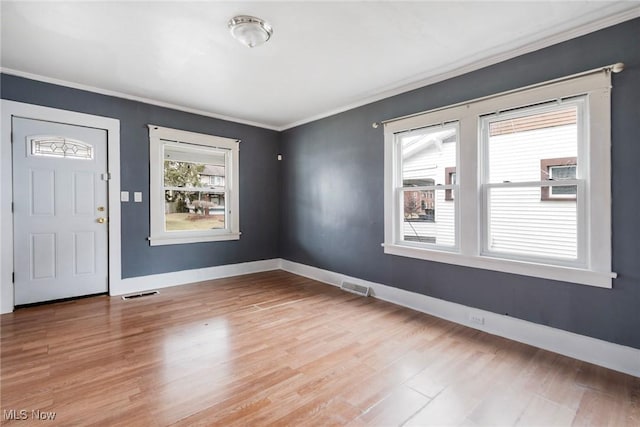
{"x": 596, "y": 158}
{"x": 157, "y": 137}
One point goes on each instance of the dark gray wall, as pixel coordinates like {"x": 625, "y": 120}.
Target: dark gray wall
{"x": 259, "y": 169}
{"x": 332, "y": 196}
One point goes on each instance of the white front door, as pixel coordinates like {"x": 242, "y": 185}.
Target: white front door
{"x": 60, "y": 210}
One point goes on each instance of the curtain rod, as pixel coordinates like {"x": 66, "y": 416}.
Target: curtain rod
{"x": 614, "y": 68}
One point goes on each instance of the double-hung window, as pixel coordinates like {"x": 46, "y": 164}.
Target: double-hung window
{"x": 530, "y": 213}
{"x": 518, "y": 182}
{"x": 194, "y": 187}
{"x": 428, "y": 218}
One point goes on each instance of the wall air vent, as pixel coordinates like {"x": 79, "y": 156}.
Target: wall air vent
{"x": 140, "y": 295}
{"x": 364, "y": 291}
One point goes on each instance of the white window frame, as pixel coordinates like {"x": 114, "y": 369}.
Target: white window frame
{"x": 580, "y": 182}
{"x": 595, "y": 269}
{"x": 399, "y": 189}
{"x": 159, "y": 137}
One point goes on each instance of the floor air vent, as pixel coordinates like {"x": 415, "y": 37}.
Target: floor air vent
{"x": 140, "y": 295}
{"x": 364, "y": 291}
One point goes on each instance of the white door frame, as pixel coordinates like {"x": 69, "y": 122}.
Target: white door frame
{"x": 112, "y": 126}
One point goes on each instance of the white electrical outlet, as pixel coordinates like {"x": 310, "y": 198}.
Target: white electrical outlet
{"x": 476, "y": 318}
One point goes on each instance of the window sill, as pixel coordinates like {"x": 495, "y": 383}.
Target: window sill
{"x": 160, "y": 241}
{"x": 544, "y": 271}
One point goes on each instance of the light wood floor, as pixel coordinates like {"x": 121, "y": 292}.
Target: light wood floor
{"x": 275, "y": 348}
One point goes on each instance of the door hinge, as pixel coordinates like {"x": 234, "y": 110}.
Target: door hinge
{"x": 106, "y": 176}
{"x": 11, "y": 207}
{"x": 13, "y": 277}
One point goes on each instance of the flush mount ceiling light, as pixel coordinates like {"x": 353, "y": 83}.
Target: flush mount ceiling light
{"x": 250, "y": 31}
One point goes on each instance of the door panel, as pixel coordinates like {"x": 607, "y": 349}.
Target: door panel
{"x": 83, "y": 194}
{"x": 43, "y": 249}
{"x": 60, "y": 247}
{"x": 85, "y": 253}
{"x": 42, "y": 192}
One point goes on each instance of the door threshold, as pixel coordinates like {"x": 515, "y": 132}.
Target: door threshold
{"x": 61, "y": 300}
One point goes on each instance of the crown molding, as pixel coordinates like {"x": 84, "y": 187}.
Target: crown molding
{"x": 136, "y": 98}
{"x": 511, "y": 50}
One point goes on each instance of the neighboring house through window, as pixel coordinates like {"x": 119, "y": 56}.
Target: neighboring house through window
{"x": 194, "y": 187}
{"x": 213, "y": 175}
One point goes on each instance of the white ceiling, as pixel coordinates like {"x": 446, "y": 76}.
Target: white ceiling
{"x": 324, "y": 57}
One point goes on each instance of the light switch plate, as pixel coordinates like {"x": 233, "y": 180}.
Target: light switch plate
{"x": 124, "y": 196}
{"x": 137, "y": 196}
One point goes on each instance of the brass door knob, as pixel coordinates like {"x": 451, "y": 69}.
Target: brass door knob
{"x": 101, "y": 220}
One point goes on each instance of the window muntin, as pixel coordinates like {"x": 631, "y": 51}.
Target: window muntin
{"x": 194, "y": 187}
{"x": 429, "y": 219}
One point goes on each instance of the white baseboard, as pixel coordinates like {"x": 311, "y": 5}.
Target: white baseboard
{"x": 165, "y": 280}
{"x": 613, "y": 356}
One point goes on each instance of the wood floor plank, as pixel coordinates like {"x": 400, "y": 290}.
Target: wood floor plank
{"x": 274, "y": 348}
{"x": 543, "y": 412}
{"x": 396, "y": 408}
